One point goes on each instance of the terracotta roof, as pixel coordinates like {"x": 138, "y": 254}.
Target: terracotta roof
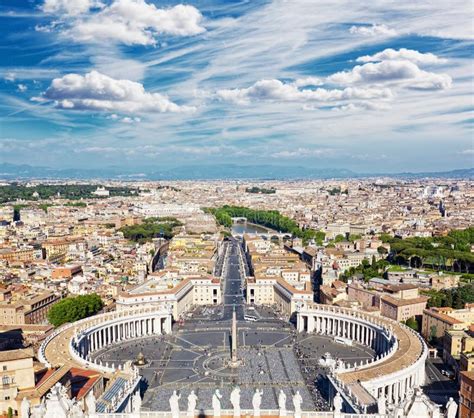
{"x": 404, "y": 302}
{"x": 442, "y": 316}
{"x": 20, "y": 354}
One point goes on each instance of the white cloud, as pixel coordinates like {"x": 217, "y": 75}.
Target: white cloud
{"x": 411, "y": 55}
{"x": 96, "y": 91}
{"x": 132, "y": 22}
{"x": 22, "y": 88}
{"x": 130, "y": 120}
{"x": 308, "y": 81}
{"x": 405, "y": 72}
{"x": 303, "y": 152}
{"x": 373, "y": 30}
{"x": 9, "y": 76}
{"x": 355, "y": 107}
{"x": 469, "y": 151}
{"x": 68, "y": 7}
{"x": 276, "y": 90}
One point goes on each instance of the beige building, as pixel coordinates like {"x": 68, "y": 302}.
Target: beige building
{"x": 17, "y": 373}
{"x": 443, "y": 281}
{"x": 436, "y": 321}
{"x": 29, "y": 310}
{"x": 276, "y": 291}
{"x": 400, "y": 309}
{"x": 398, "y": 302}
{"x": 188, "y": 292}
{"x": 466, "y": 361}
{"x": 455, "y": 343}
{"x": 334, "y": 294}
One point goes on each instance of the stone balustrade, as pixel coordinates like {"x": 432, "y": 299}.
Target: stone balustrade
{"x": 88, "y": 335}
{"x": 399, "y": 364}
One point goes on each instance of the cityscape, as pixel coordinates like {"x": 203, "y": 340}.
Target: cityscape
{"x": 269, "y": 298}
{"x": 236, "y": 209}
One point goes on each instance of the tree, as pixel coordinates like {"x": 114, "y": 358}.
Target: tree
{"x": 269, "y": 218}
{"x": 382, "y": 250}
{"x": 374, "y": 261}
{"x": 151, "y": 228}
{"x": 412, "y": 323}
{"x": 339, "y": 238}
{"x": 433, "y": 331}
{"x": 74, "y": 308}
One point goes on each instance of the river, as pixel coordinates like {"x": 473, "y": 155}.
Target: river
{"x": 248, "y": 228}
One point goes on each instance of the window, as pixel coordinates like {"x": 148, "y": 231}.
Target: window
{"x": 4, "y": 368}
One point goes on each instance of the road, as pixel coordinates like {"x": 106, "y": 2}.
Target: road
{"x": 438, "y": 387}
{"x": 233, "y": 282}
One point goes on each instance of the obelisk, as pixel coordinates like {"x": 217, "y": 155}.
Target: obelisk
{"x": 233, "y": 361}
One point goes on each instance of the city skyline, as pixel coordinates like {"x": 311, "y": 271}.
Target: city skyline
{"x": 133, "y": 83}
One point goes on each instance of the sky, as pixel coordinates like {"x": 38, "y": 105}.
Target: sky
{"x": 375, "y": 86}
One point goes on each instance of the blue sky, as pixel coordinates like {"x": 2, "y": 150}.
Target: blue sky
{"x": 375, "y": 87}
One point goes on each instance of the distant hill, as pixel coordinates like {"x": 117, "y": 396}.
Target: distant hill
{"x": 210, "y": 172}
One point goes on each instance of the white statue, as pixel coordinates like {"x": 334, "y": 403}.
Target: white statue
{"x": 136, "y": 402}
{"x": 216, "y": 403}
{"x": 451, "y": 408}
{"x": 337, "y": 403}
{"x": 256, "y": 402}
{"x": 297, "y": 401}
{"x": 174, "y": 404}
{"x": 25, "y": 408}
{"x": 235, "y": 401}
{"x": 192, "y": 403}
{"x": 39, "y": 411}
{"x": 56, "y": 405}
{"x": 282, "y": 403}
{"x": 64, "y": 398}
{"x": 91, "y": 403}
{"x": 76, "y": 410}
{"x": 382, "y": 404}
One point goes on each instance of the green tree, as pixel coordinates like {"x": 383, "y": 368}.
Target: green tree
{"x": 270, "y": 218}
{"x": 74, "y": 308}
{"x": 339, "y": 238}
{"x": 151, "y": 228}
{"x": 412, "y": 323}
{"x": 382, "y": 250}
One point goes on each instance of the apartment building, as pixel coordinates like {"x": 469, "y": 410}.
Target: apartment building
{"x": 16, "y": 373}
{"x": 188, "y": 291}
{"x": 466, "y": 395}
{"x": 398, "y": 302}
{"x": 437, "y": 321}
{"x": 31, "y": 309}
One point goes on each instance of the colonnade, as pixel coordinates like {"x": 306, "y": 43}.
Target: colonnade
{"x": 395, "y": 378}
{"x": 124, "y": 329}
{"x": 395, "y": 387}
{"x": 113, "y": 329}
{"x": 363, "y": 332}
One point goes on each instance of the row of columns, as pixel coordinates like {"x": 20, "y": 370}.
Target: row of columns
{"x": 345, "y": 328}
{"x": 370, "y": 336}
{"x": 396, "y": 392}
{"x": 116, "y": 332}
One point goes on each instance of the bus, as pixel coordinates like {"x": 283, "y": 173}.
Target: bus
{"x": 345, "y": 341}
{"x": 250, "y": 318}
